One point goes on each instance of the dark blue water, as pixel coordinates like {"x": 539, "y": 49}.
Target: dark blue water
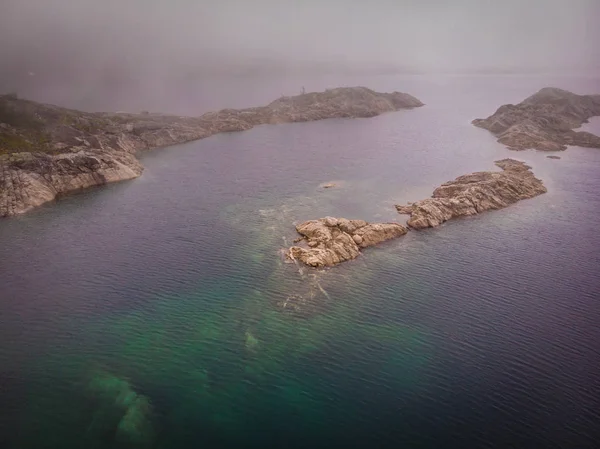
{"x": 145, "y": 314}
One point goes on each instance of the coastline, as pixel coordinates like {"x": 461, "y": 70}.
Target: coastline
{"x": 545, "y": 121}
{"x": 50, "y": 151}
{"x": 328, "y": 241}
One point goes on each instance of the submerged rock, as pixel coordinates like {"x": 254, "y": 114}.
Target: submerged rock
{"x": 475, "y": 193}
{"x": 134, "y": 427}
{"x": 294, "y": 303}
{"x": 334, "y": 240}
{"x": 308, "y": 298}
{"x": 553, "y": 157}
{"x": 251, "y": 342}
{"x": 544, "y": 121}
{"x": 47, "y": 151}
{"x": 120, "y": 411}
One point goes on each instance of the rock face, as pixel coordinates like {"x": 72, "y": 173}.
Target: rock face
{"x": 475, "y": 193}
{"x": 28, "y": 180}
{"x": 545, "y": 121}
{"x": 334, "y": 240}
{"x": 46, "y": 151}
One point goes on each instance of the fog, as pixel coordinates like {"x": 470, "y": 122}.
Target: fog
{"x": 109, "y": 42}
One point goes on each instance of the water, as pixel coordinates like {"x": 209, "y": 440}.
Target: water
{"x": 480, "y": 333}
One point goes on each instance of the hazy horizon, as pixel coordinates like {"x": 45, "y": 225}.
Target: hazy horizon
{"x": 91, "y": 44}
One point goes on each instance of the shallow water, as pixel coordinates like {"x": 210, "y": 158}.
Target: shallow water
{"x": 480, "y": 333}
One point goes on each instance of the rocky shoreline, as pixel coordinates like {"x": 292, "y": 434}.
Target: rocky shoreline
{"x": 475, "y": 193}
{"x": 47, "y": 151}
{"x": 545, "y": 121}
{"x": 328, "y": 241}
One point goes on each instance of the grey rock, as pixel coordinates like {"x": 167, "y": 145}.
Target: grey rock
{"x": 475, "y": 193}
{"x": 544, "y": 121}
{"x": 330, "y": 244}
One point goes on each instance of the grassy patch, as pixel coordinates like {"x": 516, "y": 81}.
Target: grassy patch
{"x": 13, "y": 144}
{"x": 10, "y": 143}
{"x": 86, "y": 127}
{"x": 66, "y": 120}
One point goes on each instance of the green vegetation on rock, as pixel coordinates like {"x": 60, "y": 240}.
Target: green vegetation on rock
{"x": 11, "y": 143}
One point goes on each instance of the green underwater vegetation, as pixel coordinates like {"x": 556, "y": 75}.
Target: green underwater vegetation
{"x": 224, "y": 357}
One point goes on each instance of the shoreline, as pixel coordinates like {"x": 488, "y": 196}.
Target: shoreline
{"x": 545, "y": 121}
{"x": 328, "y": 241}
{"x": 47, "y": 151}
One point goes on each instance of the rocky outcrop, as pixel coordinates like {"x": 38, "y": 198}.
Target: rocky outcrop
{"x": 545, "y": 121}
{"x": 330, "y": 241}
{"x": 47, "y": 151}
{"x": 475, "y": 193}
{"x": 336, "y": 103}
{"x": 28, "y": 180}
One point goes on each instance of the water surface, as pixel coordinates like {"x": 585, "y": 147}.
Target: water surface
{"x": 480, "y": 333}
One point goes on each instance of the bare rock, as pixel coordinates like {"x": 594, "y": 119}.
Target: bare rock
{"x": 404, "y": 210}
{"x": 28, "y": 180}
{"x": 350, "y": 226}
{"x": 544, "y": 121}
{"x": 331, "y": 221}
{"x": 475, "y": 193}
{"x": 332, "y": 241}
{"x": 375, "y": 233}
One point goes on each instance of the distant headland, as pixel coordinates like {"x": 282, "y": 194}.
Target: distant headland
{"x": 47, "y": 151}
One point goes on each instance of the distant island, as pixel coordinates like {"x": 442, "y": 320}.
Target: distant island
{"x": 47, "y": 151}
{"x": 545, "y": 121}
{"x": 328, "y": 241}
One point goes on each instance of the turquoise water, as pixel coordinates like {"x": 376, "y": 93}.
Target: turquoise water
{"x": 150, "y": 313}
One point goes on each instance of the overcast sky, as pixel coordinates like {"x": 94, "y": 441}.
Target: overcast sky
{"x": 418, "y": 33}
{"x": 106, "y": 54}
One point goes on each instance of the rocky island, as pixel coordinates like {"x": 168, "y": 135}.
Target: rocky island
{"x": 545, "y": 121}
{"x": 329, "y": 241}
{"x": 475, "y": 193}
{"x": 47, "y": 151}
